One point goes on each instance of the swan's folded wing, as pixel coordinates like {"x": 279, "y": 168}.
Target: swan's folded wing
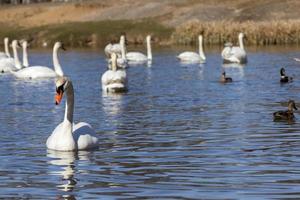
{"x": 85, "y": 136}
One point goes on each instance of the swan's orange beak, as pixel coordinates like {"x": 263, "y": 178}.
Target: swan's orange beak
{"x": 58, "y": 97}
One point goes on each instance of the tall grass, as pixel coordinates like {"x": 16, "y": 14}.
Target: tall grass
{"x": 258, "y": 33}
{"x": 84, "y": 34}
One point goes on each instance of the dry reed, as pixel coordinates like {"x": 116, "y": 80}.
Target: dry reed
{"x": 258, "y": 33}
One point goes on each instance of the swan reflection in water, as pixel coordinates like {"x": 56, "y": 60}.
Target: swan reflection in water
{"x": 112, "y": 103}
{"x": 67, "y": 169}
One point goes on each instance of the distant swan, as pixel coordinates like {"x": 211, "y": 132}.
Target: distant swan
{"x": 34, "y": 72}
{"x": 137, "y": 57}
{"x": 114, "y": 48}
{"x": 190, "y": 56}
{"x": 5, "y": 54}
{"x": 114, "y": 80}
{"x": 235, "y": 54}
{"x": 68, "y": 136}
{"x": 121, "y": 58}
{"x": 11, "y": 64}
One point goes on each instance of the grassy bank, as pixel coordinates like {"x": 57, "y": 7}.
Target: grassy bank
{"x": 258, "y": 33}
{"x": 84, "y": 34}
{"x": 97, "y": 34}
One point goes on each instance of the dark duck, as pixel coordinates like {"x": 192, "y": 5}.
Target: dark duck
{"x": 284, "y": 78}
{"x": 225, "y": 79}
{"x": 287, "y": 114}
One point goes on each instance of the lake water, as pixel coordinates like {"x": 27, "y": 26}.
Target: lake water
{"x": 177, "y": 134}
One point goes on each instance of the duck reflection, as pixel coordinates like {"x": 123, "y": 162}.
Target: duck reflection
{"x": 235, "y": 69}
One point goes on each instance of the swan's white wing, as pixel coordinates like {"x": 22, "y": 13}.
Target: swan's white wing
{"x": 234, "y": 54}
{"x": 136, "y": 57}
{"x": 114, "y": 81}
{"x": 85, "y": 136}
{"x": 189, "y": 56}
{"x": 112, "y": 48}
{"x": 122, "y": 62}
{"x": 35, "y": 72}
{"x": 7, "y": 65}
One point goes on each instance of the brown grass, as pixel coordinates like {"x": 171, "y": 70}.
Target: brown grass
{"x": 258, "y": 33}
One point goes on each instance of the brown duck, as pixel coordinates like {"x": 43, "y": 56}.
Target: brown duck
{"x": 287, "y": 114}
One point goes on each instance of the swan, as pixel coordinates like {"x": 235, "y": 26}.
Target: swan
{"x": 34, "y": 72}
{"x": 5, "y": 54}
{"x": 121, "y": 58}
{"x": 114, "y": 48}
{"x": 11, "y": 64}
{"x": 114, "y": 80}
{"x": 235, "y": 54}
{"x": 190, "y": 56}
{"x": 137, "y": 57}
{"x": 68, "y": 136}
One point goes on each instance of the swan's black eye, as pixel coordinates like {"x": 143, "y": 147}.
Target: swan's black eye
{"x": 60, "y": 89}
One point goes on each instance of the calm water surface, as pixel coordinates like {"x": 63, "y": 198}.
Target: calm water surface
{"x": 177, "y": 134}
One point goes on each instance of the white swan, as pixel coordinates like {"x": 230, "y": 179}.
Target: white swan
{"x": 190, "y": 56}
{"x": 68, "y": 136}
{"x": 114, "y": 48}
{"x": 235, "y": 54}
{"x": 137, "y": 57}
{"x": 11, "y": 64}
{"x": 5, "y": 54}
{"x": 121, "y": 58}
{"x": 34, "y": 72}
{"x": 114, "y": 80}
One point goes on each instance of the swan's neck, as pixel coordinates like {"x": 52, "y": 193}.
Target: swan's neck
{"x": 6, "y": 48}
{"x": 56, "y": 64}
{"x": 114, "y": 65}
{"x": 68, "y": 120}
{"x": 25, "y": 56}
{"x": 149, "y": 50}
{"x": 201, "y": 51}
{"x": 241, "y": 43}
{"x": 123, "y": 50}
{"x": 16, "y": 58}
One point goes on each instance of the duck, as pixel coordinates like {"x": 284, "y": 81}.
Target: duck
{"x": 189, "y": 56}
{"x": 283, "y": 77}
{"x": 114, "y": 48}
{"x": 36, "y": 72}
{"x": 138, "y": 57}
{"x": 6, "y": 53}
{"x": 114, "y": 80}
{"x": 235, "y": 54}
{"x": 225, "y": 79}
{"x": 287, "y": 114}
{"x": 69, "y": 136}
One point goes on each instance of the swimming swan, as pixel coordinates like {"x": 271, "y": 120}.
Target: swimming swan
{"x": 11, "y": 64}
{"x": 114, "y": 48}
{"x": 121, "y": 58}
{"x": 137, "y": 57}
{"x": 190, "y": 56}
{"x": 34, "y": 72}
{"x": 68, "y": 136}
{"x": 114, "y": 80}
{"x": 235, "y": 54}
{"x": 5, "y": 54}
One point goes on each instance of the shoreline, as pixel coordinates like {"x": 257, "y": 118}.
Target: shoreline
{"x": 97, "y": 34}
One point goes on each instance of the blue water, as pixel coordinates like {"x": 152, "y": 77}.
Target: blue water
{"x": 177, "y": 134}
